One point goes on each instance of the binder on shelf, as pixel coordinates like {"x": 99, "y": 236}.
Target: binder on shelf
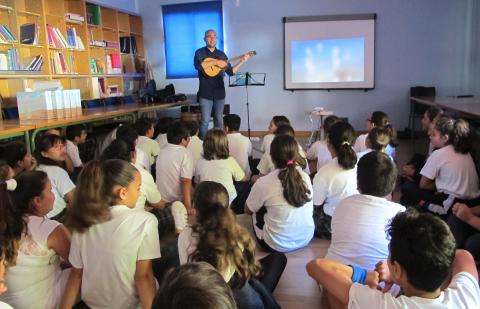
{"x": 93, "y": 14}
{"x": 128, "y": 45}
{"x": 29, "y": 34}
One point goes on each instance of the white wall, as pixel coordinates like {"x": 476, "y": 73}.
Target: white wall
{"x": 123, "y": 5}
{"x": 417, "y": 43}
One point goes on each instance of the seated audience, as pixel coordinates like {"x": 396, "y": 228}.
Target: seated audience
{"x": 195, "y": 146}
{"x": 150, "y": 147}
{"x": 128, "y": 133}
{"x": 161, "y": 130}
{"x": 17, "y": 157}
{"x": 378, "y": 119}
{"x": 318, "y": 152}
{"x": 76, "y": 135}
{"x": 465, "y": 226}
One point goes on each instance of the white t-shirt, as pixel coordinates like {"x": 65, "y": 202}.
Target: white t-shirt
{"x": 108, "y": 252}
{"x": 142, "y": 159}
{"x": 365, "y": 218}
{"x": 240, "y": 147}
{"x": 266, "y": 165}
{"x": 360, "y": 146}
{"x": 454, "y": 173}
{"x": 332, "y": 183}
{"x": 463, "y": 292}
{"x": 148, "y": 189}
{"x": 161, "y": 139}
{"x": 286, "y": 227}
{"x": 37, "y": 280}
{"x": 61, "y": 185}
{"x": 267, "y": 141}
{"x": 223, "y": 171}
{"x": 319, "y": 151}
{"x": 72, "y": 152}
{"x": 149, "y": 147}
{"x": 173, "y": 163}
{"x": 195, "y": 146}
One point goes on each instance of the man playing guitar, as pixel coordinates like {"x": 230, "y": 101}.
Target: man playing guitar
{"x": 211, "y": 63}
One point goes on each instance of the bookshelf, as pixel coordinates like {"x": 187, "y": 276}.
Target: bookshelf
{"x": 78, "y": 42}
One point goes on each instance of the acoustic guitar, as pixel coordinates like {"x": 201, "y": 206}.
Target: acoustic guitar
{"x": 213, "y": 70}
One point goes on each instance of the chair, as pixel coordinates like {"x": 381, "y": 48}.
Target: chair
{"x": 417, "y": 110}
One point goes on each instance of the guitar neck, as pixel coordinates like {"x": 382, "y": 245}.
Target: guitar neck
{"x": 235, "y": 58}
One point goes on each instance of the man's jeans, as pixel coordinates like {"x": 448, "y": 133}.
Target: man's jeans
{"x": 206, "y": 110}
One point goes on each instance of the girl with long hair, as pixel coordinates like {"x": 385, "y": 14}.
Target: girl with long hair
{"x": 18, "y": 157}
{"x": 378, "y": 119}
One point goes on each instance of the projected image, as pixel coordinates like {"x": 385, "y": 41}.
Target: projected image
{"x": 333, "y": 60}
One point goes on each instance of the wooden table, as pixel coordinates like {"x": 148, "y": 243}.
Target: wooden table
{"x": 14, "y": 128}
{"x": 467, "y": 106}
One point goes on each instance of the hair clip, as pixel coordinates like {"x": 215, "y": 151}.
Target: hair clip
{"x": 11, "y": 184}
{"x": 290, "y": 162}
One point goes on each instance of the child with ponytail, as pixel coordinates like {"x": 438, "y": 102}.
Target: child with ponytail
{"x": 112, "y": 243}
{"x": 378, "y": 119}
{"x": 281, "y": 201}
{"x": 50, "y": 154}
{"x": 32, "y": 245}
{"x": 337, "y": 179}
{"x": 217, "y": 238}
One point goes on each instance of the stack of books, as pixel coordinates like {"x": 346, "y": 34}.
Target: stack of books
{"x": 10, "y": 60}
{"x": 6, "y": 35}
{"x": 35, "y": 64}
{"x": 73, "y": 40}
{"x": 113, "y": 63}
{"x": 56, "y": 38}
{"x": 112, "y": 44}
{"x": 62, "y": 64}
{"x": 74, "y": 17}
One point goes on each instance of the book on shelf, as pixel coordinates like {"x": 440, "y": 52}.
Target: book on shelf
{"x": 56, "y": 38}
{"x": 6, "y": 35}
{"x": 111, "y": 44}
{"x": 93, "y": 14}
{"x": 128, "y": 45}
{"x": 61, "y": 63}
{"x": 98, "y": 87}
{"x": 113, "y": 91}
{"x": 113, "y": 63}
{"x": 97, "y": 66}
{"x": 35, "y": 63}
{"x": 73, "y": 40}
{"x": 98, "y": 43}
{"x": 10, "y": 60}
{"x": 74, "y": 17}
{"x": 29, "y": 33}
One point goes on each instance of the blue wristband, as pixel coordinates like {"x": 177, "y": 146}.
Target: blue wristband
{"x": 359, "y": 274}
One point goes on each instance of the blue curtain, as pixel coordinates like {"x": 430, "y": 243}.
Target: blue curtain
{"x": 184, "y": 26}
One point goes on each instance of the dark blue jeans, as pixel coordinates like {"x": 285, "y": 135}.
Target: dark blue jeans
{"x": 206, "y": 107}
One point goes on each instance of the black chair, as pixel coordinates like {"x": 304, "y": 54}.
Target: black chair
{"x": 417, "y": 110}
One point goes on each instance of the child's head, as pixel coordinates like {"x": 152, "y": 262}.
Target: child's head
{"x": 99, "y": 186}
{"x": 429, "y": 117}
{"x": 378, "y": 119}
{"x": 231, "y": 123}
{"x": 329, "y": 122}
{"x": 340, "y": 140}
{"x": 215, "y": 145}
{"x": 446, "y": 131}
{"x": 285, "y": 129}
{"x": 76, "y": 133}
{"x": 54, "y": 131}
{"x": 377, "y": 139}
{"x": 376, "y": 174}
{"x": 50, "y": 149}
{"x": 119, "y": 149}
{"x": 178, "y": 134}
{"x": 127, "y": 133}
{"x": 17, "y": 156}
{"x": 33, "y": 194}
{"x": 163, "y": 124}
{"x": 276, "y": 122}
{"x": 422, "y": 245}
{"x": 222, "y": 242}
{"x": 192, "y": 126}
{"x": 194, "y": 286}
{"x": 284, "y": 153}
{"x": 144, "y": 127}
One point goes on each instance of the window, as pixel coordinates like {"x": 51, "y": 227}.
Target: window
{"x": 184, "y": 26}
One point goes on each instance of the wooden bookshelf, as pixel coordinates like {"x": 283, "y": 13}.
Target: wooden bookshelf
{"x": 112, "y": 24}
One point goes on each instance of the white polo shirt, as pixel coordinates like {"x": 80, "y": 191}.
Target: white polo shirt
{"x": 161, "y": 139}
{"x": 332, "y": 183}
{"x": 364, "y": 217}
{"x": 240, "y": 147}
{"x": 173, "y": 163}
{"x": 286, "y": 227}
{"x": 267, "y": 141}
{"x": 149, "y": 147}
{"x": 72, "y": 152}
{"x": 319, "y": 151}
{"x": 148, "y": 189}
{"x": 223, "y": 171}
{"x": 108, "y": 252}
{"x": 454, "y": 173}
{"x": 61, "y": 185}
{"x": 195, "y": 146}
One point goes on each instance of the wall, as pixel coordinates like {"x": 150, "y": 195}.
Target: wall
{"x": 123, "y": 5}
{"x": 417, "y": 43}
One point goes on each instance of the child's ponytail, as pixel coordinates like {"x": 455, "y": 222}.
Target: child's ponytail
{"x": 284, "y": 152}
{"x": 341, "y": 137}
{"x": 461, "y": 137}
{"x": 380, "y": 119}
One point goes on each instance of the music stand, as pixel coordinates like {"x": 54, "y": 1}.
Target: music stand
{"x": 244, "y": 80}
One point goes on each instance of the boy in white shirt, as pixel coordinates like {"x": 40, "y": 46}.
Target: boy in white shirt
{"x": 128, "y": 133}
{"x": 195, "y": 146}
{"x": 422, "y": 261}
{"x": 145, "y": 130}
{"x": 161, "y": 130}
{"x": 174, "y": 167}
{"x": 76, "y": 135}
{"x": 365, "y": 215}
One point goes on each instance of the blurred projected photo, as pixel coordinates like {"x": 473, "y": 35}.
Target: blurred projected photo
{"x": 332, "y": 60}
